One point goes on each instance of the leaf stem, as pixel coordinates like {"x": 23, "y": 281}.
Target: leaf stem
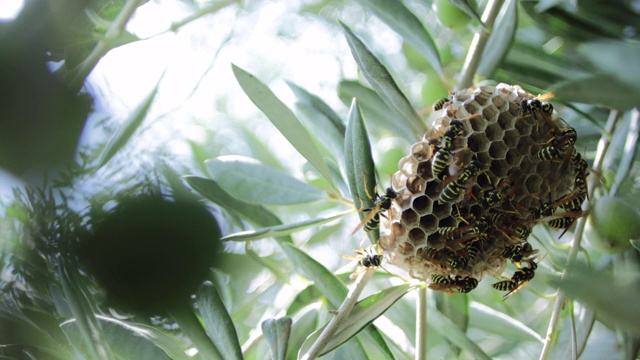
{"x": 603, "y": 145}
{"x": 479, "y": 43}
{"x": 77, "y": 76}
{"x": 421, "y": 324}
{"x": 343, "y": 312}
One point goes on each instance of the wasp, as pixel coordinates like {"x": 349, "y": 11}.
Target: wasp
{"x": 367, "y": 258}
{"x": 517, "y": 252}
{"x": 453, "y": 189}
{"x": 517, "y": 281}
{"x": 381, "y": 204}
{"x": 559, "y": 146}
{"x": 449, "y": 285}
{"x": 479, "y": 227}
{"x": 494, "y": 196}
{"x": 443, "y": 155}
{"x": 438, "y": 105}
{"x": 537, "y": 104}
{"x": 473, "y": 248}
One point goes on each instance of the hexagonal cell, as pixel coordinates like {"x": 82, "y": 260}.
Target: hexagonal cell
{"x": 417, "y": 236}
{"x": 421, "y": 151}
{"x": 482, "y": 98}
{"x": 494, "y": 132}
{"x": 524, "y": 146}
{"x": 406, "y": 248}
{"x": 500, "y": 103}
{"x": 409, "y": 217}
{"x": 472, "y": 107}
{"x": 507, "y": 121}
{"x": 398, "y": 181}
{"x": 478, "y": 123}
{"x": 477, "y": 142}
{"x": 424, "y": 170}
{"x": 398, "y": 229}
{"x": 513, "y": 158}
{"x": 511, "y": 138}
{"x": 490, "y": 113}
{"x": 432, "y": 190}
{"x": 498, "y": 150}
{"x": 422, "y": 204}
{"x": 533, "y": 184}
{"x": 441, "y": 210}
{"x": 499, "y": 168}
{"x": 415, "y": 184}
{"x": 408, "y": 165}
{"x": 429, "y": 223}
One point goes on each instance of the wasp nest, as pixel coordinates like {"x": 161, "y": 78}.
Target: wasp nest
{"x": 496, "y": 161}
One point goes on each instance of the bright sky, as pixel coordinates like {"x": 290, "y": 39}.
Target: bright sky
{"x": 9, "y": 9}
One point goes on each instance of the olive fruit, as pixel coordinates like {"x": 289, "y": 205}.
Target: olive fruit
{"x": 615, "y": 222}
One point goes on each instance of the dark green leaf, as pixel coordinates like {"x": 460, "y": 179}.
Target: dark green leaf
{"x": 126, "y": 130}
{"x": 493, "y": 321}
{"x": 612, "y": 57}
{"x": 453, "y": 333}
{"x": 283, "y": 119}
{"x": 375, "y": 109}
{"x": 407, "y": 25}
{"x": 598, "y": 89}
{"x": 255, "y": 214}
{"x": 309, "y": 295}
{"x": 218, "y": 322}
{"x": 468, "y": 9}
{"x": 500, "y": 40}
{"x": 281, "y": 230}
{"x": 612, "y": 297}
{"x": 277, "y": 332}
{"x": 254, "y": 182}
{"x": 383, "y": 83}
{"x": 359, "y": 164}
{"x": 127, "y": 341}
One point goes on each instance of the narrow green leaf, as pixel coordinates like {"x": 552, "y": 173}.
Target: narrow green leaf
{"x": 125, "y": 341}
{"x": 254, "y": 182}
{"x": 406, "y": 24}
{"x": 469, "y": 10}
{"x": 307, "y": 296}
{"x": 453, "y": 333}
{"x": 218, "y": 322}
{"x": 190, "y": 325}
{"x": 612, "y": 297}
{"x": 375, "y": 109}
{"x": 456, "y": 308}
{"x": 126, "y": 130}
{"x": 318, "y": 104}
{"x": 599, "y": 89}
{"x": 382, "y": 82}
{"x": 277, "y": 332}
{"x": 210, "y": 189}
{"x": 365, "y": 312}
{"x": 635, "y": 243}
{"x": 281, "y": 230}
{"x": 612, "y": 57}
{"x": 500, "y": 40}
{"x": 496, "y": 322}
{"x": 359, "y": 165}
{"x": 283, "y": 119}
{"x": 332, "y": 288}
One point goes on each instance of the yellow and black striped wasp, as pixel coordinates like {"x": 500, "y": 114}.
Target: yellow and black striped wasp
{"x": 518, "y": 280}
{"x": 381, "y": 204}
{"x": 517, "y": 252}
{"x": 449, "y": 285}
{"x": 443, "y": 155}
{"x": 438, "y": 105}
{"x": 455, "y": 187}
{"x": 560, "y": 144}
{"x": 367, "y": 258}
{"x": 537, "y": 104}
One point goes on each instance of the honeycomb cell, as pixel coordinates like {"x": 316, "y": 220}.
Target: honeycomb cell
{"x": 507, "y": 121}
{"x": 477, "y": 143}
{"x": 421, "y": 151}
{"x": 494, "y": 132}
{"x": 441, "y": 210}
{"x": 432, "y": 191}
{"x": 472, "y": 107}
{"x": 415, "y": 184}
{"x": 408, "y": 165}
{"x": 422, "y": 205}
{"x": 478, "y": 124}
{"x": 424, "y": 170}
{"x": 511, "y": 138}
{"x": 490, "y": 113}
{"x": 417, "y": 236}
{"x": 429, "y": 223}
{"x": 498, "y": 150}
{"x": 409, "y": 217}
{"x": 533, "y": 184}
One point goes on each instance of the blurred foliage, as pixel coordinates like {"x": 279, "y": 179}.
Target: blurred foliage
{"x": 282, "y": 185}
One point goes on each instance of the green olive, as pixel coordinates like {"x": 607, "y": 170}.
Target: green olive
{"x": 450, "y": 15}
{"x": 615, "y": 222}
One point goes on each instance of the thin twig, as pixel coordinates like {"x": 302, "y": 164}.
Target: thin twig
{"x": 343, "y": 313}
{"x": 421, "y": 324}
{"x": 603, "y": 145}
{"x": 479, "y": 43}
